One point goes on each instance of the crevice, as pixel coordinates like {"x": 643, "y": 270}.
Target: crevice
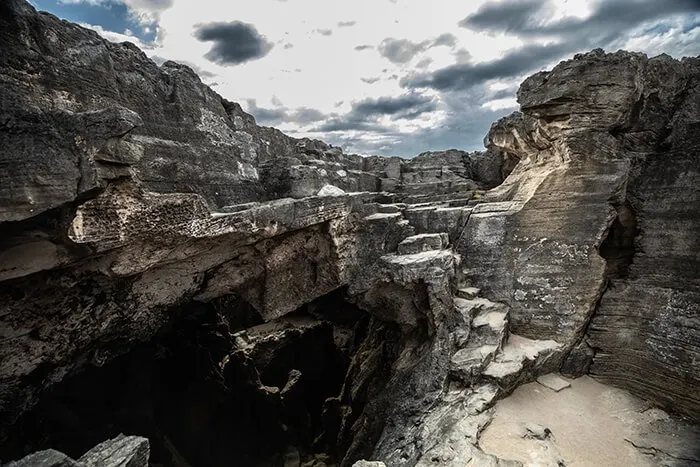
{"x": 618, "y": 250}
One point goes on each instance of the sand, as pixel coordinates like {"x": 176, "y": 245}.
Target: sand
{"x": 591, "y": 424}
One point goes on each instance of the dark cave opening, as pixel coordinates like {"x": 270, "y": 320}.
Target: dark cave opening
{"x": 217, "y": 387}
{"x": 619, "y": 245}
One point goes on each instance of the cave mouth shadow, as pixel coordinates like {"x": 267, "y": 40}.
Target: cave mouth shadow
{"x": 207, "y": 393}
{"x": 618, "y": 247}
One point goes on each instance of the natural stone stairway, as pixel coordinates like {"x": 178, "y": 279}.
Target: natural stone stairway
{"x": 489, "y": 363}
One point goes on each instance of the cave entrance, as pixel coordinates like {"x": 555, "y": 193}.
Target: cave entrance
{"x": 216, "y": 387}
{"x": 618, "y": 246}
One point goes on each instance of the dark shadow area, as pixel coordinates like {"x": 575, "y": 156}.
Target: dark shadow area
{"x": 618, "y": 247}
{"x": 217, "y": 387}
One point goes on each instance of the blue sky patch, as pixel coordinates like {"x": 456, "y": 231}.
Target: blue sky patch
{"x": 111, "y": 15}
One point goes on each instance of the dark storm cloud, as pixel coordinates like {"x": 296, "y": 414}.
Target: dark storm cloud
{"x": 610, "y": 18}
{"x": 608, "y": 24}
{"x": 363, "y": 47}
{"x": 466, "y": 75}
{"x": 365, "y": 114}
{"x": 400, "y": 50}
{"x": 346, "y": 24}
{"x": 275, "y": 116}
{"x": 504, "y": 16}
{"x": 405, "y": 106}
{"x": 234, "y": 42}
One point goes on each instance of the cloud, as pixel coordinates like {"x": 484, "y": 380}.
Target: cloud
{"x": 323, "y": 32}
{"x": 447, "y": 39}
{"x": 370, "y": 80}
{"x": 344, "y": 124}
{"x": 405, "y": 106}
{"x": 609, "y": 20}
{"x": 424, "y": 63}
{"x": 346, "y": 24}
{"x": 280, "y": 114}
{"x": 400, "y": 51}
{"x": 466, "y": 75}
{"x": 234, "y": 42}
{"x": 363, "y": 47}
{"x": 503, "y": 16}
{"x": 604, "y": 27}
{"x": 288, "y": 46}
{"x": 366, "y": 115}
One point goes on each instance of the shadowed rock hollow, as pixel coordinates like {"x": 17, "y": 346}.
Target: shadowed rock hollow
{"x": 171, "y": 270}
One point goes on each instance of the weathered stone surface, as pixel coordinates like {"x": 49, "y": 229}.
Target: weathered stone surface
{"x": 602, "y": 158}
{"x": 47, "y": 458}
{"x": 122, "y": 451}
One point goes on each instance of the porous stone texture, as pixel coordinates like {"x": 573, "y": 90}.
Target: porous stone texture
{"x": 137, "y": 202}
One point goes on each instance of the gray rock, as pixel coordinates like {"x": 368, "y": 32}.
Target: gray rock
{"x": 122, "y": 451}
{"x": 330, "y": 190}
{"x": 47, "y": 458}
{"x": 554, "y": 382}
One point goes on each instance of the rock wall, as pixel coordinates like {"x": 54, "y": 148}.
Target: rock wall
{"x": 594, "y": 232}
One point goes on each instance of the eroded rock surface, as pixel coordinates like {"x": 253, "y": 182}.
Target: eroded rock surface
{"x": 170, "y": 268}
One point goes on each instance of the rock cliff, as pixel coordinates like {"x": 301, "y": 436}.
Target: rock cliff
{"x": 170, "y": 269}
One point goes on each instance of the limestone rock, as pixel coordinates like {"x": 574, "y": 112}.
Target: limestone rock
{"x": 122, "y": 451}
{"x": 47, "y": 458}
{"x": 553, "y": 382}
{"x": 330, "y": 190}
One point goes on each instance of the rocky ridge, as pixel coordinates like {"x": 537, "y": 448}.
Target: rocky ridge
{"x": 163, "y": 255}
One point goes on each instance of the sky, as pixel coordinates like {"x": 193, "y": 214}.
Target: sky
{"x": 388, "y": 77}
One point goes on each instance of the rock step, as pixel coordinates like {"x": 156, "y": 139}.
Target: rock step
{"x": 478, "y": 304}
{"x": 490, "y": 326}
{"x": 469, "y": 293}
{"x": 467, "y": 364}
{"x": 517, "y": 355}
{"x": 390, "y": 208}
{"x": 423, "y": 242}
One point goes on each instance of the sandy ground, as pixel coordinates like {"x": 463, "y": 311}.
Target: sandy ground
{"x": 590, "y": 424}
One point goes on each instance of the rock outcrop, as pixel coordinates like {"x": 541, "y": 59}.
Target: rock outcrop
{"x": 592, "y": 236}
{"x": 170, "y": 269}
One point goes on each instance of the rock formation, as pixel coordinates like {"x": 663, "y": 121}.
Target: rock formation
{"x": 171, "y": 270}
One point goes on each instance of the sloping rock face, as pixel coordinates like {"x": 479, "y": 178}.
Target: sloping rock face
{"x": 170, "y": 269}
{"x": 594, "y": 232}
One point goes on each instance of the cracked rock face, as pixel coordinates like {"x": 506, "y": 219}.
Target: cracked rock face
{"x": 171, "y": 270}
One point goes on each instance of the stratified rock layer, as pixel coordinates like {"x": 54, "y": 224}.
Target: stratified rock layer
{"x": 609, "y": 163}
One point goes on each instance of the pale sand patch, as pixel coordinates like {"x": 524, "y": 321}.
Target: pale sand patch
{"x": 589, "y": 423}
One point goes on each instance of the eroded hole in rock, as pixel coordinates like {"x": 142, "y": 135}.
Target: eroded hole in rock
{"x": 218, "y": 387}
{"x": 618, "y": 246}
